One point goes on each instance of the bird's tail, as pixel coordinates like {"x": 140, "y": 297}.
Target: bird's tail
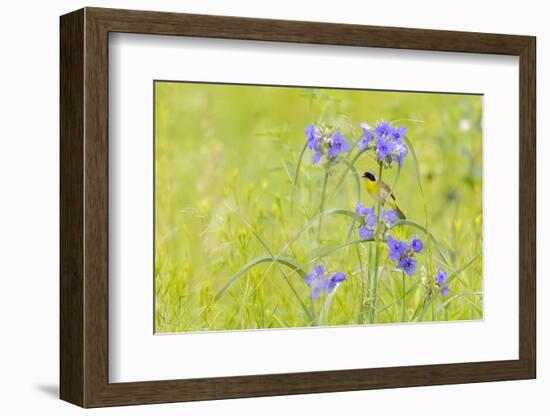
{"x": 400, "y": 213}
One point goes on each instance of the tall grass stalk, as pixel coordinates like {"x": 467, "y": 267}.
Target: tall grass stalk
{"x": 374, "y": 280}
{"x": 322, "y": 207}
{"x": 404, "y": 300}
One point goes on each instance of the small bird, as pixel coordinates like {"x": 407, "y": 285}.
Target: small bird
{"x": 378, "y": 189}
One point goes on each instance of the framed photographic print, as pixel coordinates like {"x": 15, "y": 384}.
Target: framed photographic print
{"x": 256, "y": 207}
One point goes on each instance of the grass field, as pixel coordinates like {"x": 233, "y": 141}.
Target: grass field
{"x": 243, "y": 215}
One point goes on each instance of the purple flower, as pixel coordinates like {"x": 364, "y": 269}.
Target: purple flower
{"x": 389, "y": 216}
{"x": 362, "y": 210}
{"x": 408, "y": 264}
{"x": 417, "y": 244}
{"x": 401, "y": 151}
{"x": 371, "y": 220}
{"x": 440, "y": 279}
{"x": 366, "y": 232}
{"x": 368, "y": 213}
{"x": 316, "y": 157}
{"x": 367, "y": 137}
{"x": 333, "y": 282}
{"x": 397, "y": 133}
{"x": 385, "y": 148}
{"x": 397, "y": 248}
{"x": 318, "y": 284}
{"x": 313, "y": 143}
{"x": 383, "y": 129}
{"x": 339, "y": 145}
{"x": 316, "y": 281}
{"x": 312, "y": 140}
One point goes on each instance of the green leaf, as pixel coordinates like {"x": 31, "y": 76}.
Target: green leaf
{"x": 259, "y": 260}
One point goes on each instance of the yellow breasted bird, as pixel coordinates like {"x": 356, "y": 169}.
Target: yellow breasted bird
{"x": 378, "y": 189}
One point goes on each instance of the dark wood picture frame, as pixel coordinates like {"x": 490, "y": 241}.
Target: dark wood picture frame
{"x": 84, "y": 207}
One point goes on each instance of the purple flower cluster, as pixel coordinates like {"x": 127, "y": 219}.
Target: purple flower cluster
{"x": 367, "y": 229}
{"x": 440, "y": 279}
{"x": 386, "y": 140}
{"x": 403, "y": 253}
{"x": 319, "y": 283}
{"x": 389, "y": 216}
{"x": 324, "y": 142}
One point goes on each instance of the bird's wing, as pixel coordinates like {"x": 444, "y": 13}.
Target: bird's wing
{"x": 387, "y": 190}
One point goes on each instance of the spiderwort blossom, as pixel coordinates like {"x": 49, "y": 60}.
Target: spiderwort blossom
{"x": 334, "y": 281}
{"x": 440, "y": 279}
{"x": 417, "y": 244}
{"x": 325, "y": 142}
{"x": 403, "y": 253}
{"x": 366, "y": 232}
{"x": 408, "y": 264}
{"x": 397, "y": 248}
{"x": 386, "y": 141}
{"x": 312, "y": 141}
{"x": 318, "y": 283}
{"x": 397, "y": 133}
{"x": 384, "y": 148}
{"x": 369, "y": 221}
{"x": 368, "y": 137}
{"x": 383, "y": 129}
{"x": 400, "y": 151}
{"x": 339, "y": 145}
{"x": 363, "y": 210}
{"x": 316, "y": 157}
{"x": 389, "y": 216}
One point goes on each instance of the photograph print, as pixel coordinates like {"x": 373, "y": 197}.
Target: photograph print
{"x": 293, "y": 207}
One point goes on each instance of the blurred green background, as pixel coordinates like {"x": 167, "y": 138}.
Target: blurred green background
{"x": 224, "y": 164}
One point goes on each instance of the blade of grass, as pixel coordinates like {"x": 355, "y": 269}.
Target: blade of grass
{"x": 322, "y": 207}
{"x": 337, "y": 248}
{"x": 404, "y": 302}
{"x": 409, "y": 290}
{"x": 296, "y": 175}
{"x": 448, "y": 301}
{"x": 425, "y": 231}
{"x": 438, "y": 290}
{"x": 429, "y": 248}
{"x": 374, "y": 282}
{"x": 259, "y": 260}
{"x": 314, "y": 220}
{"x": 292, "y": 288}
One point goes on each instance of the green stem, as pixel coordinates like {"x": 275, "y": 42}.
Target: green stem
{"x": 296, "y": 174}
{"x": 374, "y": 280}
{"x": 363, "y": 286}
{"x": 322, "y": 207}
{"x": 314, "y": 317}
{"x": 404, "y": 306}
